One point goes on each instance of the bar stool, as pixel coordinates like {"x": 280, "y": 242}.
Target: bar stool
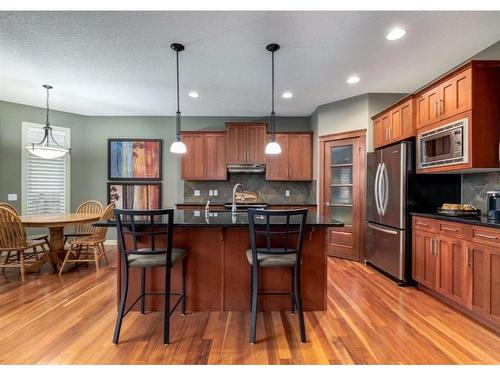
{"x": 270, "y": 224}
{"x": 157, "y": 227}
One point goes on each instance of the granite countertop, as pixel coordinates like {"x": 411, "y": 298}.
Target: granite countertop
{"x": 198, "y": 218}
{"x": 214, "y": 203}
{"x": 480, "y": 220}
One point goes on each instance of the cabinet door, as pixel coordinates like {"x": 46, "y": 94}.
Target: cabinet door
{"x": 215, "y": 157}
{"x": 396, "y": 126}
{"x": 277, "y": 165}
{"x": 484, "y": 280}
{"x": 451, "y": 256}
{"x": 386, "y": 126}
{"x": 378, "y": 133}
{"x": 256, "y": 144}
{"x": 300, "y": 157}
{"x": 193, "y": 167}
{"x": 427, "y": 107}
{"x": 407, "y": 122}
{"x": 236, "y": 144}
{"x": 455, "y": 95}
{"x": 424, "y": 261}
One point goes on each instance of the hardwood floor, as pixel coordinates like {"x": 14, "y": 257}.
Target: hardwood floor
{"x": 70, "y": 320}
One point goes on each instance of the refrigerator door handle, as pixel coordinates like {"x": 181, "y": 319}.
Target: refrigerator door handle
{"x": 386, "y": 188}
{"x": 376, "y": 189}
{"x": 389, "y": 231}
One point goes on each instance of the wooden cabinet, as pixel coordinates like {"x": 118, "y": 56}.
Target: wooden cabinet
{"x": 450, "y": 262}
{"x": 245, "y": 143}
{"x": 295, "y": 161}
{"x": 205, "y": 158}
{"x": 446, "y": 99}
{"x": 395, "y": 124}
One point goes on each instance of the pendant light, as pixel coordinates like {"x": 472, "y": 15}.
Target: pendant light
{"x": 273, "y": 147}
{"x": 48, "y": 148}
{"x": 178, "y": 147}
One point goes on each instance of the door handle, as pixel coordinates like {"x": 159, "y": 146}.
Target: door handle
{"x": 386, "y": 188}
{"x": 389, "y": 231}
{"x": 376, "y": 189}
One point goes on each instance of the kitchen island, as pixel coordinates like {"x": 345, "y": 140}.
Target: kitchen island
{"x": 218, "y": 274}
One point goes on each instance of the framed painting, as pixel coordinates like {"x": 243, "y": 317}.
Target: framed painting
{"x": 134, "y": 159}
{"x": 134, "y": 196}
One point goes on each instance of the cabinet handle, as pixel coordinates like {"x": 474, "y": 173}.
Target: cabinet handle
{"x": 469, "y": 257}
{"x": 449, "y": 229}
{"x": 485, "y": 236}
{"x": 422, "y": 224}
{"x": 436, "y": 252}
{"x": 432, "y": 246}
{"x": 441, "y": 106}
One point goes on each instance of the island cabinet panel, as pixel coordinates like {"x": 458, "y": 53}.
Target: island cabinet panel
{"x": 245, "y": 143}
{"x": 395, "y": 124}
{"x": 295, "y": 161}
{"x": 205, "y": 158}
{"x": 460, "y": 264}
{"x": 218, "y": 273}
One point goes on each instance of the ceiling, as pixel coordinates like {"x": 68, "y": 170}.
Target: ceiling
{"x": 120, "y": 63}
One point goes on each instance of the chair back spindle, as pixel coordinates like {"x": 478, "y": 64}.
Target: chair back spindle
{"x": 12, "y": 233}
{"x": 88, "y": 207}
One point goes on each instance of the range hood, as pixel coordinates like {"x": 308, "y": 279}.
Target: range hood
{"x": 246, "y": 168}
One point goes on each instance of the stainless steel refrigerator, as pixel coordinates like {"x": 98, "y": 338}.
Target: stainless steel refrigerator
{"x": 393, "y": 191}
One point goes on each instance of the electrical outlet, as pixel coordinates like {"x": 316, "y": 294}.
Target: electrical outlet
{"x": 197, "y": 213}
{"x": 210, "y": 193}
{"x": 287, "y": 193}
{"x": 196, "y": 193}
{"x": 216, "y": 193}
{"x": 12, "y": 197}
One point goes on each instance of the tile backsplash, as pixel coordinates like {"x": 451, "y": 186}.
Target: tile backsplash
{"x": 271, "y": 192}
{"x": 475, "y": 186}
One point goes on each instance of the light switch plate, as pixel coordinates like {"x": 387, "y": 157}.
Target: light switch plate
{"x": 12, "y": 197}
{"x": 196, "y": 193}
{"x": 287, "y": 193}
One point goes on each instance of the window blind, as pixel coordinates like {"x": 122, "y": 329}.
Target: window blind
{"x": 46, "y": 178}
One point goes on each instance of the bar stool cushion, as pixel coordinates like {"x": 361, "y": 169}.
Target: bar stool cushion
{"x": 155, "y": 260}
{"x": 273, "y": 260}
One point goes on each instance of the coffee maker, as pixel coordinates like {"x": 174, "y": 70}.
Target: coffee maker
{"x": 493, "y": 204}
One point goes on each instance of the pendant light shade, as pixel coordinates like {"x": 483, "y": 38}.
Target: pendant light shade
{"x": 273, "y": 147}
{"x": 178, "y": 147}
{"x": 47, "y": 148}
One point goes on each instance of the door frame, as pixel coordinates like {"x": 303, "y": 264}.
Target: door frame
{"x": 360, "y": 135}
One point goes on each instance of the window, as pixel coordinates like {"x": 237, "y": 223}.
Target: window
{"x": 45, "y": 182}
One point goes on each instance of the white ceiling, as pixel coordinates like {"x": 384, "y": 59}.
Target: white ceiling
{"x": 120, "y": 63}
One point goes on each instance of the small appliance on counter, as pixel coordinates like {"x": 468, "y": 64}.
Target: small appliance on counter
{"x": 493, "y": 204}
{"x": 459, "y": 210}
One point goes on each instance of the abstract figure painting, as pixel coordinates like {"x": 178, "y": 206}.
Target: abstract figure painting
{"x": 135, "y": 159}
{"x": 135, "y": 196}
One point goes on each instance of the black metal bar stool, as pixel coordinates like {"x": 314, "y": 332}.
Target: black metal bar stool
{"x": 157, "y": 227}
{"x": 288, "y": 225}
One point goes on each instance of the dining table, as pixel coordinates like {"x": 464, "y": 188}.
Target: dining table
{"x": 56, "y": 223}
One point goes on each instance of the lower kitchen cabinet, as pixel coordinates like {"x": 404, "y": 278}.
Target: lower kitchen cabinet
{"x": 449, "y": 261}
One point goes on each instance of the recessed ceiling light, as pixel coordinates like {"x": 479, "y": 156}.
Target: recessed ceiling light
{"x": 194, "y": 94}
{"x": 287, "y": 95}
{"x": 396, "y": 34}
{"x": 353, "y": 79}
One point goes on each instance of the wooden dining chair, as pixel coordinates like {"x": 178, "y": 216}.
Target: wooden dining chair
{"x": 90, "y": 248}
{"x": 13, "y": 239}
{"x": 44, "y": 237}
{"x": 85, "y": 230}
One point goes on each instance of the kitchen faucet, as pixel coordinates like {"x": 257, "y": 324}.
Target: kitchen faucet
{"x": 233, "y": 207}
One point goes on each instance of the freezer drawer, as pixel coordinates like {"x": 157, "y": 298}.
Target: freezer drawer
{"x": 385, "y": 249}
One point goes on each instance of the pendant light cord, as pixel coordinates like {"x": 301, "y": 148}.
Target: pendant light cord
{"x": 178, "y": 117}
{"x": 273, "y": 122}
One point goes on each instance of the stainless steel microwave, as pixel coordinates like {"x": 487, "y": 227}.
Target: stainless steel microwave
{"x": 446, "y": 145}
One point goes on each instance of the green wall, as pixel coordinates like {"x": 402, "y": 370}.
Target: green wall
{"x": 89, "y": 136}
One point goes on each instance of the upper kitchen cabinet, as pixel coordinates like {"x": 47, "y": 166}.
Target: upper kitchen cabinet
{"x": 205, "y": 158}
{"x": 458, "y": 120}
{"x": 295, "y": 161}
{"x": 394, "y": 124}
{"x": 245, "y": 143}
{"x": 443, "y": 100}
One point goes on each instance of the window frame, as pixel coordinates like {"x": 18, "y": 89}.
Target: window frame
{"x": 25, "y": 126}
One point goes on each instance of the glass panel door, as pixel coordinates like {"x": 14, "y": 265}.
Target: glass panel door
{"x": 341, "y": 187}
